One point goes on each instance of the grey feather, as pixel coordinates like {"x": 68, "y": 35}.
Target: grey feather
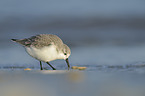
{"x": 40, "y": 41}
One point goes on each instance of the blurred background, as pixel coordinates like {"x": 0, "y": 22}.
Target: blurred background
{"x": 106, "y": 36}
{"x": 99, "y": 32}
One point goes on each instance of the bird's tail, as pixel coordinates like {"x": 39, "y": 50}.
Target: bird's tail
{"x": 14, "y": 40}
{"x": 24, "y": 42}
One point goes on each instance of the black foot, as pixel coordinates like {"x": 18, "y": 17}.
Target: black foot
{"x": 50, "y": 65}
{"x": 41, "y": 66}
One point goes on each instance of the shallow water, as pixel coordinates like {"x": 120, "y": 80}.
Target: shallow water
{"x": 84, "y": 55}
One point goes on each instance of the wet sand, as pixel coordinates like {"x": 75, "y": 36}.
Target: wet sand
{"x": 72, "y": 83}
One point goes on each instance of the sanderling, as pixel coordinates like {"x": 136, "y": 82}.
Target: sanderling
{"x": 45, "y": 48}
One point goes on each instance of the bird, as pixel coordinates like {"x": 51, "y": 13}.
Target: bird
{"x": 45, "y": 48}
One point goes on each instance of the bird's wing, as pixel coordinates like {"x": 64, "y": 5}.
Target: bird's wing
{"x": 40, "y": 41}
{"x": 46, "y": 40}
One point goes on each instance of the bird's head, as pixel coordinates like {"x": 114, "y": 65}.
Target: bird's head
{"x": 66, "y": 51}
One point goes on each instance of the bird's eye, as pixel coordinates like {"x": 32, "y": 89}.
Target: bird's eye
{"x": 64, "y": 53}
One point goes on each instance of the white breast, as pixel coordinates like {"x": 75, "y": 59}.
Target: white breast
{"x": 44, "y": 54}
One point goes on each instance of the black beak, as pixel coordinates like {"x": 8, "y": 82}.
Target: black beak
{"x": 67, "y": 63}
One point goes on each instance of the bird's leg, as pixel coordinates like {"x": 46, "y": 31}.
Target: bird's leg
{"x": 50, "y": 65}
{"x": 41, "y": 66}
{"x": 67, "y": 63}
